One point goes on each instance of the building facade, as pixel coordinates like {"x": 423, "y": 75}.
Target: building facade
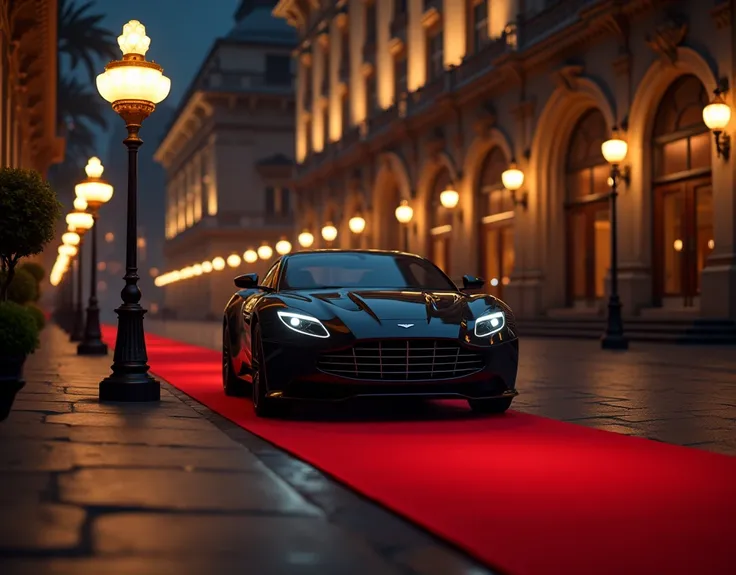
{"x": 228, "y": 156}
{"x": 398, "y": 101}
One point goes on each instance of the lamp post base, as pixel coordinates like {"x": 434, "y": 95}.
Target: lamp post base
{"x": 130, "y": 380}
{"x": 614, "y": 341}
{"x": 91, "y": 341}
{"x": 614, "y": 338}
{"x": 92, "y": 348}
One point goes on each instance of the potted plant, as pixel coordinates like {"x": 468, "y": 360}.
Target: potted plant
{"x": 18, "y": 338}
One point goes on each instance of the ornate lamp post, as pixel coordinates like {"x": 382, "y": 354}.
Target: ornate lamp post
{"x": 306, "y": 239}
{"x": 329, "y": 233}
{"x": 72, "y": 238}
{"x": 133, "y": 86}
{"x": 614, "y": 151}
{"x": 95, "y": 192}
{"x": 404, "y": 214}
{"x": 79, "y": 221}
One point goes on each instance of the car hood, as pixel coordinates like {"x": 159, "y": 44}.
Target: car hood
{"x": 382, "y": 305}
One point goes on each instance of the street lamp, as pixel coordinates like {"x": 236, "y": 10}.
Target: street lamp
{"x": 404, "y": 214}
{"x": 133, "y": 86}
{"x": 79, "y": 221}
{"x": 716, "y": 117}
{"x": 218, "y": 264}
{"x": 233, "y": 260}
{"x": 265, "y": 251}
{"x": 95, "y": 192}
{"x": 329, "y": 232}
{"x": 449, "y": 197}
{"x": 614, "y": 151}
{"x": 70, "y": 238}
{"x": 283, "y": 246}
{"x": 306, "y": 239}
{"x": 357, "y": 224}
{"x": 512, "y": 179}
{"x": 250, "y": 256}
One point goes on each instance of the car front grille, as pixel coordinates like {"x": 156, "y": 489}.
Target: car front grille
{"x": 402, "y": 360}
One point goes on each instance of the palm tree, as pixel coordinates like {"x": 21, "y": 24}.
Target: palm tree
{"x": 82, "y": 39}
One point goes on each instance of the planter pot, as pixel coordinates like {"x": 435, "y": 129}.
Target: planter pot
{"x": 11, "y": 381}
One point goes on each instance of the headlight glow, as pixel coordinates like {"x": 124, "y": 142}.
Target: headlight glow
{"x": 304, "y": 324}
{"x": 489, "y": 324}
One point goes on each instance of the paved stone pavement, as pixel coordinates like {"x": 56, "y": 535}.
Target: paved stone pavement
{"x": 121, "y": 489}
{"x": 677, "y": 394}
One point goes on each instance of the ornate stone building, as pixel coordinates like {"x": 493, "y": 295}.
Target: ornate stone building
{"x": 28, "y": 64}
{"x": 228, "y": 156}
{"x": 399, "y": 101}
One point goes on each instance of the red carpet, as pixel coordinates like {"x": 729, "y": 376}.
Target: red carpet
{"x": 524, "y": 494}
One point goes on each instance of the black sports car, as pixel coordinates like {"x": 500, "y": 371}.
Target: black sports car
{"x": 336, "y": 324}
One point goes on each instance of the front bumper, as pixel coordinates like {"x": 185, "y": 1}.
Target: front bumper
{"x": 293, "y": 373}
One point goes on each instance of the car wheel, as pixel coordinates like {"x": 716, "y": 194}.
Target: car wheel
{"x": 263, "y": 405}
{"x": 490, "y": 405}
{"x": 231, "y": 383}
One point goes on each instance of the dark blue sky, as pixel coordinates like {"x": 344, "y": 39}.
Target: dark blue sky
{"x": 181, "y": 32}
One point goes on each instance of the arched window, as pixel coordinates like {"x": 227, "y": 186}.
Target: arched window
{"x": 683, "y": 197}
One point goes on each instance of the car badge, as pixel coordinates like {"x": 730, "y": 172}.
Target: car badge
{"x": 406, "y": 325}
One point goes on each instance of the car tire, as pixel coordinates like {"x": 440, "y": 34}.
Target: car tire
{"x": 490, "y": 405}
{"x": 231, "y": 383}
{"x": 263, "y": 405}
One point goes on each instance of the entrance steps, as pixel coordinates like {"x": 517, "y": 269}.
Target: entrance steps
{"x": 663, "y": 329}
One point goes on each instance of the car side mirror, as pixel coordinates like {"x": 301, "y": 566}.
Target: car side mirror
{"x": 247, "y": 281}
{"x": 472, "y": 282}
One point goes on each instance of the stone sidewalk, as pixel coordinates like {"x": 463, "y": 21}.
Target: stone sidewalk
{"x": 112, "y": 489}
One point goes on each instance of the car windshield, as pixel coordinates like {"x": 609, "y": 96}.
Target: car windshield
{"x": 362, "y": 270}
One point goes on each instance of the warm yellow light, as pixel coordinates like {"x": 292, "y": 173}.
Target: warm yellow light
{"x": 250, "y": 256}
{"x": 55, "y": 279}
{"x": 207, "y": 267}
{"x": 153, "y": 272}
{"x": 357, "y": 224}
{"x": 711, "y": 244}
{"x": 141, "y": 242}
{"x": 512, "y": 178}
{"x": 615, "y": 149}
{"x": 265, "y": 252}
{"x": 133, "y": 78}
{"x": 186, "y": 273}
{"x": 102, "y": 266}
{"x": 159, "y": 281}
{"x": 80, "y": 204}
{"x": 79, "y": 220}
{"x": 109, "y": 237}
{"x": 449, "y": 198}
{"x": 67, "y": 250}
{"x": 233, "y": 260}
{"x": 218, "y": 264}
{"x": 94, "y": 193}
{"x": 677, "y": 244}
{"x": 70, "y": 239}
{"x": 404, "y": 213}
{"x": 306, "y": 239}
{"x": 94, "y": 168}
{"x": 197, "y": 269}
{"x": 283, "y": 246}
{"x": 329, "y": 232}
{"x": 717, "y": 114}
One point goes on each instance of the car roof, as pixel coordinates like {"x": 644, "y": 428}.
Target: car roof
{"x": 352, "y": 251}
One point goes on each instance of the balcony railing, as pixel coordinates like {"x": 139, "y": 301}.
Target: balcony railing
{"x": 475, "y": 64}
{"x": 384, "y": 118}
{"x": 246, "y": 82}
{"x": 549, "y": 21}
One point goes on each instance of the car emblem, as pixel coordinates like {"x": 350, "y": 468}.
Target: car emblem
{"x": 406, "y": 325}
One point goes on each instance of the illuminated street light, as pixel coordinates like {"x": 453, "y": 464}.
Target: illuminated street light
{"x": 79, "y": 223}
{"x": 404, "y": 212}
{"x": 67, "y": 250}
{"x": 133, "y": 86}
{"x": 95, "y": 192}
{"x": 283, "y": 246}
{"x": 306, "y": 239}
{"x": 265, "y": 252}
{"x": 357, "y": 224}
{"x": 512, "y": 179}
{"x": 233, "y": 260}
{"x": 329, "y": 232}
{"x": 207, "y": 267}
{"x": 716, "y": 117}
{"x": 218, "y": 264}
{"x": 449, "y": 197}
{"x": 197, "y": 269}
{"x": 71, "y": 238}
{"x": 80, "y": 204}
{"x": 250, "y": 256}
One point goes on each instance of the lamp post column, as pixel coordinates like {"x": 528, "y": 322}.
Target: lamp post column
{"x": 614, "y": 336}
{"x": 78, "y": 329}
{"x": 92, "y": 343}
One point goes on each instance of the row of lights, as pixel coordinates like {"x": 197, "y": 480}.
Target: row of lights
{"x": 264, "y": 252}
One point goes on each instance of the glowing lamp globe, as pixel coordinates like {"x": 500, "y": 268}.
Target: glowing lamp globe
{"x": 67, "y": 250}
{"x": 512, "y": 178}
{"x": 197, "y": 269}
{"x": 329, "y": 232}
{"x": 70, "y": 239}
{"x": 265, "y": 252}
{"x": 615, "y": 149}
{"x": 79, "y": 220}
{"x": 207, "y": 267}
{"x": 283, "y": 246}
{"x": 404, "y": 213}
{"x": 218, "y": 264}
{"x": 449, "y": 198}
{"x": 133, "y": 85}
{"x": 357, "y": 224}
{"x": 717, "y": 114}
{"x": 306, "y": 239}
{"x": 233, "y": 260}
{"x": 250, "y": 256}
{"x": 80, "y": 204}
{"x": 94, "y": 190}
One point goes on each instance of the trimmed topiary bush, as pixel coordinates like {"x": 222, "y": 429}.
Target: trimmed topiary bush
{"x": 18, "y": 330}
{"x": 38, "y": 316}
{"x": 36, "y": 270}
{"x": 23, "y": 289}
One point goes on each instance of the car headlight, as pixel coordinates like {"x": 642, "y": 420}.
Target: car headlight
{"x": 489, "y": 324}
{"x": 304, "y": 324}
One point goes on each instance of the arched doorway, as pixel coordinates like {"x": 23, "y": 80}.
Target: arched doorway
{"x": 496, "y": 210}
{"x": 386, "y": 231}
{"x": 683, "y": 194}
{"x": 440, "y": 222}
{"x": 587, "y": 212}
